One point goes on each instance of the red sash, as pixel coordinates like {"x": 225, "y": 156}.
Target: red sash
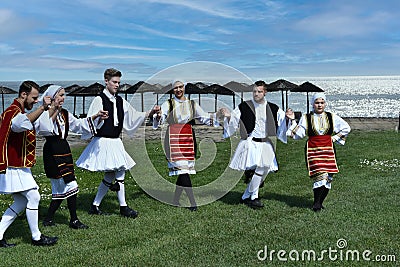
{"x": 321, "y": 155}
{"x": 181, "y": 143}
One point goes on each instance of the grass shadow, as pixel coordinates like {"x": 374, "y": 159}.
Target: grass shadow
{"x": 290, "y": 200}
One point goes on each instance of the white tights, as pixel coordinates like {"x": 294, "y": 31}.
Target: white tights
{"x": 27, "y": 199}
{"x": 109, "y": 177}
{"x": 254, "y": 185}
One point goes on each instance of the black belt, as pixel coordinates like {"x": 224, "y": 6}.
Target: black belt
{"x": 260, "y": 140}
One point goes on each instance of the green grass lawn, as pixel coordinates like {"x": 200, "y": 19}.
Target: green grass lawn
{"x": 362, "y": 208}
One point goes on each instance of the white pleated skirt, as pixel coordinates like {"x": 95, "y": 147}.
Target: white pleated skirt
{"x": 250, "y": 155}
{"x": 105, "y": 154}
{"x": 61, "y": 190}
{"x": 181, "y": 167}
{"x": 17, "y": 180}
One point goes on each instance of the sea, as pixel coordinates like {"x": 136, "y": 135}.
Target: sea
{"x": 347, "y": 96}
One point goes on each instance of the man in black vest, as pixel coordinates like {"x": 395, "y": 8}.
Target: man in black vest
{"x": 106, "y": 151}
{"x": 260, "y": 124}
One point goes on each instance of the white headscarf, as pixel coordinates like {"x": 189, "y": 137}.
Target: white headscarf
{"x": 176, "y": 81}
{"x": 51, "y": 91}
{"x": 318, "y": 95}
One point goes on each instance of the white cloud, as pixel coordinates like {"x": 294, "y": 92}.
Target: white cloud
{"x": 344, "y": 24}
{"x": 105, "y": 45}
{"x": 5, "y": 49}
{"x": 186, "y": 37}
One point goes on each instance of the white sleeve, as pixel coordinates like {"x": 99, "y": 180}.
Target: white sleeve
{"x": 84, "y": 126}
{"x": 133, "y": 119}
{"x": 282, "y": 126}
{"x": 298, "y": 131}
{"x": 341, "y": 129}
{"x": 44, "y": 125}
{"x": 204, "y": 117}
{"x": 231, "y": 125}
{"x": 20, "y": 123}
{"x": 95, "y": 106}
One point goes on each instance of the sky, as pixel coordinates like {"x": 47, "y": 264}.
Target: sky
{"x": 47, "y": 40}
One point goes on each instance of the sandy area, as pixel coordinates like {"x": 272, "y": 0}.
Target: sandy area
{"x": 362, "y": 124}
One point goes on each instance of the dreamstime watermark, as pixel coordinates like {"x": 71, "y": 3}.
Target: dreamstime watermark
{"x": 337, "y": 253}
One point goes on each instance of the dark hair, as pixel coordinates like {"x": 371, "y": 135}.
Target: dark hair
{"x": 109, "y": 73}
{"x": 26, "y": 86}
{"x": 260, "y": 83}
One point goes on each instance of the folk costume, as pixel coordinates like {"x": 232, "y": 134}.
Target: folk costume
{"x": 18, "y": 145}
{"x": 323, "y": 130}
{"x": 180, "y": 141}
{"x": 106, "y": 151}
{"x": 260, "y": 125}
{"x": 57, "y": 158}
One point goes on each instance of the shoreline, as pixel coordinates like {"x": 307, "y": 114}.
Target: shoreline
{"x": 356, "y": 124}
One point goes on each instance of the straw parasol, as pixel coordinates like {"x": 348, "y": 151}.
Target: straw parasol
{"x": 5, "y": 90}
{"x": 219, "y": 90}
{"x": 123, "y": 88}
{"x": 72, "y": 87}
{"x": 190, "y": 88}
{"x": 281, "y": 85}
{"x": 44, "y": 87}
{"x": 91, "y": 90}
{"x": 239, "y": 87}
{"x": 307, "y": 87}
{"x": 141, "y": 87}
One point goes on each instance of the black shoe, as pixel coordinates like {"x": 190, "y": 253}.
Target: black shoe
{"x": 4, "y": 244}
{"x": 128, "y": 212}
{"x": 47, "y": 223}
{"x": 244, "y": 201}
{"x": 255, "y": 203}
{"x": 194, "y": 208}
{"x": 45, "y": 241}
{"x": 95, "y": 210}
{"x": 78, "y": 225}
{"x": 317, "y": 207}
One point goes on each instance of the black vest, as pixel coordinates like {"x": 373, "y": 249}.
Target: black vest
{"x": 108, "y": 129}
{"x": 248, "y": 115}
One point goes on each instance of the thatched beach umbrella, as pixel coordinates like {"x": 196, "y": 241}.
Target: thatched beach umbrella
{"x": 72, "y": 87}
{"x": 44, "y": 87}
{"x": 91, "y": 90}
{"x": 122, "y": 89}
{"x": 198, "y": 88}
{"x": 190, "y": 88}
{"x": 219, "y": 90}
{"x": 158, "y": 88}
{"x": 141, "y": 87}
{"x": 281, "y": 85}
{"x": 5, "y": 90}
{"x": 239, "y": 87}
{"x": 307, "y": 87}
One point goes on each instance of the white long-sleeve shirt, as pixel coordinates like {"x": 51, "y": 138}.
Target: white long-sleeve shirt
{"x": 183, "y": 113}
{"x": 340, "y": 127}
{"x": 78, "y": 126}
{"x": 133, "y": 119}
{"x": 231, "y": 125}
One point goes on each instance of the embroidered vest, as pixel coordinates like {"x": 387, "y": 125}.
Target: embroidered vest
{"x": 172, "y": 117}
{"x": 17, "y": 149}
{"x": 311, "y": 128}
